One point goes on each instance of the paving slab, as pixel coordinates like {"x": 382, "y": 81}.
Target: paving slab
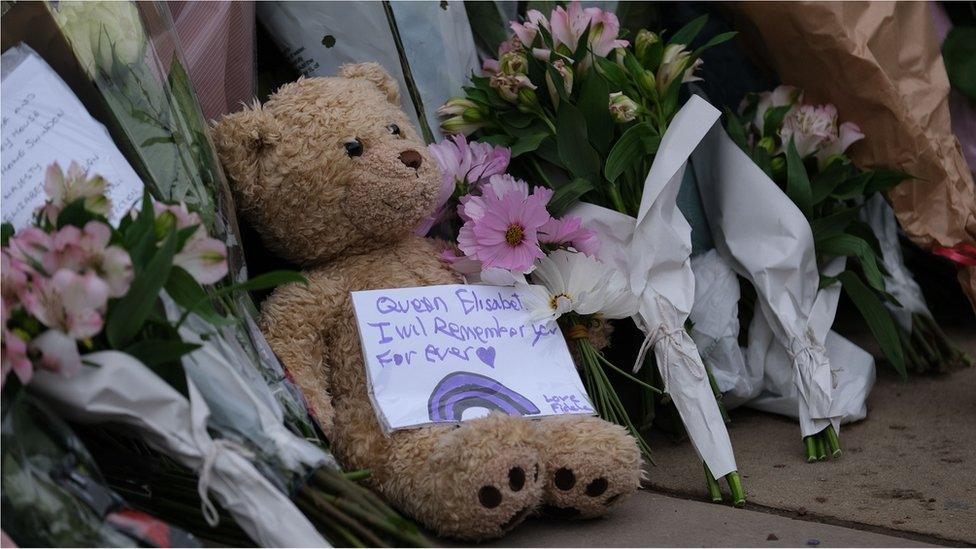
{"x": 651, "y": 520}
{"x": 909, "y": 467}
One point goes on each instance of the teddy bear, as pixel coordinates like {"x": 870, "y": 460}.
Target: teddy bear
{"x": 334, "y": 178}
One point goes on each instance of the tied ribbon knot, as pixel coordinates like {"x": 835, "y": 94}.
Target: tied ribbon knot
{"x": 963, "y": 253}
{"x": 813, "y": 350}
{"x": 206, "y": 473}
{"x": 672, "y": 341}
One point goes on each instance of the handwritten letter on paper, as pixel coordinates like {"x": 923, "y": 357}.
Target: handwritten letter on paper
{"x": 43, "y": 123}
{"x": 448, "y": 353}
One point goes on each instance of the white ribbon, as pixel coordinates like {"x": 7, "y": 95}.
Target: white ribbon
{"x": 206, "y": 472}
{"x": 671, "y": 339}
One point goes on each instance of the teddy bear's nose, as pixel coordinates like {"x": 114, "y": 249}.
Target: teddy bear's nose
{"x": 411, "y": 159}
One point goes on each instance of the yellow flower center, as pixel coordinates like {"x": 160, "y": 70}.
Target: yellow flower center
{"x": 556, "y": 299}
{"x": 514, "y": 235}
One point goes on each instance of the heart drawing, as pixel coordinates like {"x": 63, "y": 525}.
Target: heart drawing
{"x": 487, "y": 355}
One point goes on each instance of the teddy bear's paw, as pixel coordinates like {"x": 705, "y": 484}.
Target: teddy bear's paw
{"x": 592, "y": 465}
{"x": 489, "y": 478}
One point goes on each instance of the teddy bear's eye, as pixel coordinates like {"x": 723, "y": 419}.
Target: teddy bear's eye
{"x": 394, "y": 129}
{"x": 354, "y": 148}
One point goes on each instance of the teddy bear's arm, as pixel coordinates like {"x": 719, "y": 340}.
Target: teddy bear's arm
{"x": 296, "y": 320}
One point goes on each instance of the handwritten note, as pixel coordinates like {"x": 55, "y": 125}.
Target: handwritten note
{"x": 43, "y": 123}
{"x": 443, "y": 354}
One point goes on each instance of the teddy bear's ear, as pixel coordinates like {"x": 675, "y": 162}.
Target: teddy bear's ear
{"x": 374, "y": 73}
{"x": 241, "y": 138}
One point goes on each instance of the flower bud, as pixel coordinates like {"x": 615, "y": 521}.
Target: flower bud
{"x": 768, "y": 143}
{"x": 458, "y": 125}
{"x": 622, "y": 108}
{"x": 514, "y": 62}
{"x": 165, "y": 223}
{"x": 455, "y": 106}
{"x": 643, "y": 42}
{"x": 647, "y": 82}
{"x": 528, "y": 99}
{"x": 473, "y": 114}
{"x": 778, "y": 165}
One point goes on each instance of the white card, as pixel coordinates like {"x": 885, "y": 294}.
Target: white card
{"x": 443, "y": 354}
{"x": 43, "y": 123}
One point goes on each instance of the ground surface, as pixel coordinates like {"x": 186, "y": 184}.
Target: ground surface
{"x": 907, "y": 478}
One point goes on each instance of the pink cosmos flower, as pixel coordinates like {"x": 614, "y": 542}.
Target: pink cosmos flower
{"x": 501, "y": 227}
{"x": 63, "y": 189}
{"x": 464, "y": 167}
{"x": 205, "y": 258}
{"x": 569, "y": 231}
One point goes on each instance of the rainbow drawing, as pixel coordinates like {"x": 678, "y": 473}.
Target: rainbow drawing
{"x": 459, "y": 391}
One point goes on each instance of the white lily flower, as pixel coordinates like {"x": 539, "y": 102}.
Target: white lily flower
{"x": 574, "y": 282}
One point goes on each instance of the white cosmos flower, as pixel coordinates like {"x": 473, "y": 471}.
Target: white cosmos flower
{"x": 573, "y": 282}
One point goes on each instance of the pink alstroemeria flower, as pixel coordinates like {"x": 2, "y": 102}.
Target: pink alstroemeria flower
{"x": 69, "y": 302}
{"x": 63, "y": 189}
{"x": 32, "y": 247}
{"x": 569, "y": 231}
{"x": 526, "y": 32}
{"x": 205, "y": 258}
{"x": 848, "y": 134}
{"x": 58, "y": 352}
{"x": 502, "y": 225}
{"x": 604, "y": 28}
{"x": 12, "y": 348}
{"x": 809, "y": 126}
{"x": 781, "y": 96}
{"x": 89, "y": 249}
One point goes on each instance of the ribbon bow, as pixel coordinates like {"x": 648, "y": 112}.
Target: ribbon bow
{"x": 206, "y": 472}
{"x": 815, "y": 353}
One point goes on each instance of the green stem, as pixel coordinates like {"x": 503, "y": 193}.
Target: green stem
{"x": 538, "y": 171}
{"x": 361, "y": 474}
{"x": 811, "y": 448}
{"x": 833, "y": 441}
{"x": 642, "y": 383}
{"x": 616, "y": 199}
{"x": 714, "y": 491}
{"x": 821, "y": 446}
{"x": 735, "y": 486}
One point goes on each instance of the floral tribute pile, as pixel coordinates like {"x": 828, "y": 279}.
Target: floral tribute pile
{"x": 577, "y": 110}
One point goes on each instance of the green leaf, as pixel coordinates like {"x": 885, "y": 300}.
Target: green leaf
{"x": 158, "y": 140}
{"x": 527, "y": 144}
{"x": 959, "y": 54}
{"x": 877, "y": 318}
{"x": 712, "y": 42}
{"x": 852, "y": 187}
{"x": 6, "y": 232}
{"x": 264, "y": 281}
{"x": 575, "y": 151}
{"x": 75, "y": 214}
{"x": 497, "y": 139}
{"x": 826, "y": 181}
{"x": 882, "y": 180}
{"x": 613, "y": 74}
{"x": 594, "y": 101}
{"x": 736, "y": 130}
{"x": 688, "y": 32}
{"x": 850, "y": 245}
{"x": 626, "y": 151}
{"x": 189, "y": 294}
{"x": 833, "y": 224}
{"x": 762, "y": 159}
{"x": 127, "y": 315}
{"x": 158, "y": 352}
{"x": 566, "y": 195}
{"x": 797, "y": 184}
{"x": 487, "y": 24}
{"x": 773, "y": 119}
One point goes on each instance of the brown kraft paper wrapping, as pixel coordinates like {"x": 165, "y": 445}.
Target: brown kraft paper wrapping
{"x": 880, "y": 64}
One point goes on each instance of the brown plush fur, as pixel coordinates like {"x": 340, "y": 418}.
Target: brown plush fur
{"x": 348, "y": 221}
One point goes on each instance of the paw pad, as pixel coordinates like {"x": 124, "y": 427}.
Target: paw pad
{"x": 597, "y": 487}
{"x": 490, "y": 497}
{"x": 516, "y": 478}
{"x": 564, "y": 479}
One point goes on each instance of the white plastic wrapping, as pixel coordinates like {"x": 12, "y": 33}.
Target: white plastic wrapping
{"x": 767, "y": 240}
{"x": 319, "y": 37}
{"x": 654, "y": 251}
{"x": 899, "y": 282}
{"x": 121, "y": 390}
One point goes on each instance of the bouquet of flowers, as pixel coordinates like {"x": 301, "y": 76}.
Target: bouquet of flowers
{"x": 581, "y": 112}
{"x": 74, "y": 286}
{"x": 801, "y": 148}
